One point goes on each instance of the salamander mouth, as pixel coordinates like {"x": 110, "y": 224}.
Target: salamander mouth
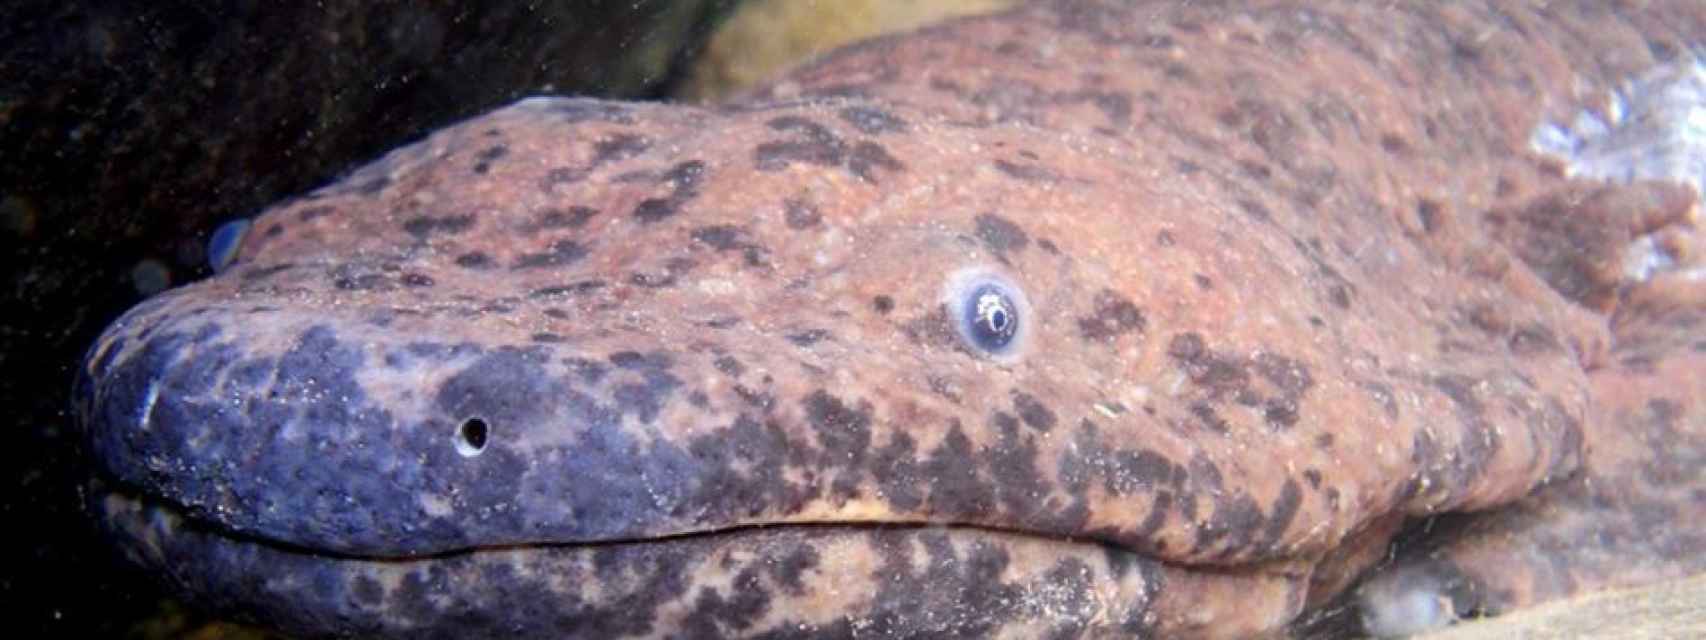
{"x": 132, "y": 513}
{"x": 917, "y": 578}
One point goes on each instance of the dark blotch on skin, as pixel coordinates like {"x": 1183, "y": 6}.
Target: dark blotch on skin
{"x": 844, "y": 430}
{"x": 685, "y": 179}
{"x": 947, "y": 594}
{"x": 1031, "y": 410}
{"x": 1534, "y": 339}
{"x": 422, "y": 226}
{"x": 645, "y": 398}
{"x": 654, "y": 209}
{"x": 1210, "y": 418}
{"x": 1256, "y": 170}
{"x": 1394, "y": 144}
{"x": 1313, "y": 476}
{"x": 1115, "y": 105}
{"x": 934, "y": 329}
{"x": 721, "y": 237}
{"x": 1206, "y": 368}
{"x": 761, "y": 400}
{"x": 1234, "y": 524}
{"x": 1280, "y": 515}
{"x": 575, "y": 218}
{"x": 1338, "y": 289}
{"x": 1256, "y": 210}
{"x": 729, "y": 366}
{"x": 871, "y": 120}
{"x": 474, "y": 260}
{"x": 672, "y": 269}
{"x": 788, "y": 567}
{"x": 957, "y": 489}
{"x": 1113, "y": 316}
{"x": 1000, "y": 234}
{"x": 799, "y": 214}
{"x": 563, "y": 291}
{"x": 1225, "y": 376}
{"x": 485, "y": 158}
{"x": 1265, "y": 124}
{"x": 1290, "y": 376}
{"x": 1280, "y": 412}
{"x": 1340, "y": 295}
{"x": 561, "y": 253}
{"x": 1123, "y": 472}
{"x": 363, "y": 277}
{"x": 620, "y": 146}
{"x": 815, "y": 144}
{"x": 1461, "y": 390}
{"x": 882, "y": 304}
{"x": 617, "y": 147}
{"x": 748, "y": 599}
{"x": 732, "y": 238}
{"x": 1428, "y": 212}
{"x": 895, "y": 467}
{"x": 808, "y": 338}
{"x": 416, "y": 280}
{"x": 944, "y": 387}
{"x": 590, "y": 371}
{"x": 636, "y": 361}
{"x": 867, "y": 157}
{"x": 1026, "y": 172}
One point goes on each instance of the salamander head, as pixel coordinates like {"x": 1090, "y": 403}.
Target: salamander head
{"x": 450, "y": 352}
{"x": 447, "y": 362}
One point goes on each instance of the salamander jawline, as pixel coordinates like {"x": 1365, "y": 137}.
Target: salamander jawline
{"x": 626, "y": 588}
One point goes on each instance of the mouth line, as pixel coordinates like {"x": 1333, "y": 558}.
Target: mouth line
{"x": 185, "y": 519}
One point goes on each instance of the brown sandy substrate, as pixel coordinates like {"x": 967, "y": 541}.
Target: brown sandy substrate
{"x": 1675, "y": 609}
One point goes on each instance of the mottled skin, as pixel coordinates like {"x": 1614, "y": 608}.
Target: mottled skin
{"x": 595, "y": 369}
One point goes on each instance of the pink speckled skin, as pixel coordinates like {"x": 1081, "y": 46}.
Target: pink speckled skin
{"x": 1292, "y": 279}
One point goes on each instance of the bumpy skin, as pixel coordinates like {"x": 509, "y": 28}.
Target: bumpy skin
{"x": 1632, "y": 517}
{"x": 1273, "y": 312}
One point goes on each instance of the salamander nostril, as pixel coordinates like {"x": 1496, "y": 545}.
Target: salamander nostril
{"x": 471, "y": 437}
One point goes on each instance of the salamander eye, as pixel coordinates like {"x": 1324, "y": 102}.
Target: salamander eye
{"x": 222, "y": 246}
{"x": 990, "y": 319}
{"x": 989, "y": 313}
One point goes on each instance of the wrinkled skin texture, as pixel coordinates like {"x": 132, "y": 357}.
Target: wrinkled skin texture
{"x": 600, "y": 369}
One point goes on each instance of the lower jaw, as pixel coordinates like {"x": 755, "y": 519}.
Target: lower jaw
{"x": 830, "y": 580}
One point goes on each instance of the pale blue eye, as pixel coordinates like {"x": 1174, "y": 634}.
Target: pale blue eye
{"x": 989, "y": 321}
{"x": 222, "y": 246}
{"x": 989, "y": 312}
